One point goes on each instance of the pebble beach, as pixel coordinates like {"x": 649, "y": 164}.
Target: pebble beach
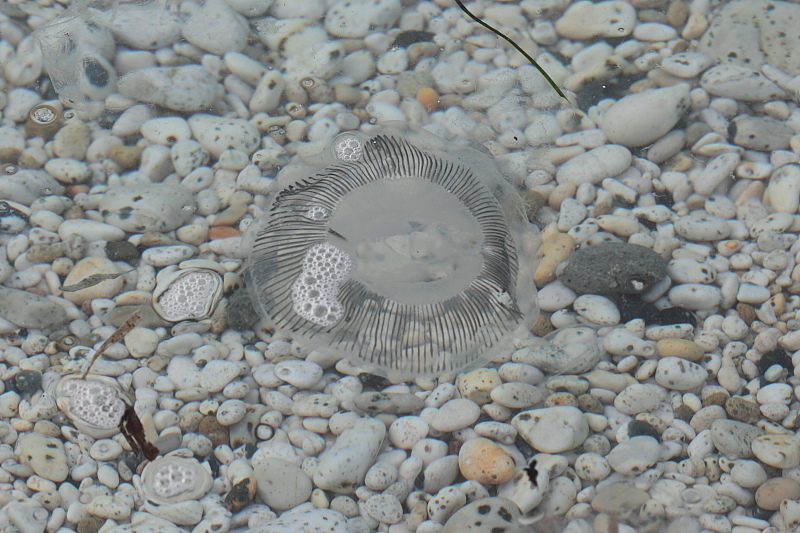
{"x": 656, "y": 390}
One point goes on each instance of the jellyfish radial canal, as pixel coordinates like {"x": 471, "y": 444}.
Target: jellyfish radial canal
{"x": 395, "y": 257}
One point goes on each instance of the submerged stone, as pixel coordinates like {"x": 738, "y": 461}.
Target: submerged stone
{"x": 612, "y": 268}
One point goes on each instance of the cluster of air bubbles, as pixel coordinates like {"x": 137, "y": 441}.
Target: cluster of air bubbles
{"x": 172, "y": 479}
{"x": 315, "y": 290}
{"x": 94, "y": 402}
{"x": 348, "y": 147}
{"x": 316, "y": 212}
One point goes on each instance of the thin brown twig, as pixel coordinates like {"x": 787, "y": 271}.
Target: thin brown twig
{"x": 114, "y": 338}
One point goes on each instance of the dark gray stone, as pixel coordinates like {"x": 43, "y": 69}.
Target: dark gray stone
{"x": 612, "y": 268}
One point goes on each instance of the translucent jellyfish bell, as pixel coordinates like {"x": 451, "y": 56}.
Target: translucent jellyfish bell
{"x": 402, "y": 251}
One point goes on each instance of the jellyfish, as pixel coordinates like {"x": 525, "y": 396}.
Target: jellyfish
{"x": 407, "y": 254}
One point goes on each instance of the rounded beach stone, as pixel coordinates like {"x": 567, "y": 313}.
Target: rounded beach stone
{"x": 595, "y": 165}
{"x": 639, "y": 398}
{"x": 357, "y": 18}
{"x": 740, "y": 83}
{"x": 217, "y": 134}
{"x": 682, "y": 348}
{"x": 597, "y": 309}
{"x": 770, "y": 495}
{"x": 695, "y": 296}
{"x": 93, "y": 266}
{"x": 455, "y": 414}
{"x": 313, "y": 521}
{"x": 734, "y": 438}
{"x": 384, "y": 508}
{"x": 642, "y": 118}
{"x": 142, "y": 208}
{"x": 780, "y": 451}
{"x": 485, "y": 461}
{"x": 280, "y": 484}
{"x": 675, "y": 373}
{"x": 344, "y": 465}
{"x": 586, "y": 20}
{"x": 612, "y": 268}
{"x": 702, "y": 226}
{"x": 184, "y": 88}
{"x": 484, "y": 514}
{"x": 635, "y": 455}
{"x": 45, "y": 455}
{"x": 517, "y": 395}
{"x": 552, "y": 429}
{"x": 216, "y": 28}
{"x": 477, "y": 385}
{"x": 28, "y": 310}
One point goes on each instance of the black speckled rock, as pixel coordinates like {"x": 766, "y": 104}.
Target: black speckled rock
{"x": 28, "y": 381}
{"x": 612, "y": 268}
{"x": 240, "y": 312}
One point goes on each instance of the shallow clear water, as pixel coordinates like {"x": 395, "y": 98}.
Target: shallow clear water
{"x": 140, "y": 140}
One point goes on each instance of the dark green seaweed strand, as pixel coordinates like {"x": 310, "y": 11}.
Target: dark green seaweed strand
{"x": 515, "y": 45}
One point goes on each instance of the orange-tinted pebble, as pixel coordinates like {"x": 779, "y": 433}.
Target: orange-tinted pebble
{"x": 429, "y": 99}
{"x": 485, "y": 461}
{"x": 223, "y": 232}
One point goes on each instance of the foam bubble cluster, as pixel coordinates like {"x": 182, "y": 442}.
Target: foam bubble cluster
{"x": 315, "y": 290}
{"x": 94, "y": 402}
{"x": 188, "y": 296}
{"x": 172, "y": 478}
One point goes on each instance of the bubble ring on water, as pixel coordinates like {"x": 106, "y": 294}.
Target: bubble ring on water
{"x": 413, "y": 261}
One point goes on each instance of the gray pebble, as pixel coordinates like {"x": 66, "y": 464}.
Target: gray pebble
{"x": 612, "y": 268}
{"x": 734, "y": 438}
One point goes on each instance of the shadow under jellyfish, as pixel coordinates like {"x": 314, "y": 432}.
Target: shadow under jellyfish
{"x": 407, "y": 253}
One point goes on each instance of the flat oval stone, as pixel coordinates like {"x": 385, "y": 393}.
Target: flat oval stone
{"x": 595, "y": 165}
{"x": 552, "y": 429}
{"x": 456, "y": 414}
{"x": 28, "y": 310}
{"x": 142, "y": 208}
{"x": 734, "y": 438}
{"x": 740, "y": 83}
{"x": 635, "y": 455}
{"x": 280, "y": 484}
{"x": 644, "y": 117}
{"x": 45, "y": 455}
{"x": 485, "y": 514}
{"x": 675, "y": 373}
{"x": 612, "y": 268}
{"x": 314, "y": 521}
{"x": 702, "y": 226}
{"x": 344, "y": 465}
{"x": 780, "y": 451}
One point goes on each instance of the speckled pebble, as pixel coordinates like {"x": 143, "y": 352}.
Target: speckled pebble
{"x": 612, "y": 268}
{"x": 780, "y": 451}
{"x": 485, "y": 514}
{"x": 675, "y": 373}
{"x": 734, "y": 438}
{"x": 635, "y": 455}
{"x": 385, "y": 508}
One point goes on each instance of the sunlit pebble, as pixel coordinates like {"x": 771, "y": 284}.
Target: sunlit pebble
{"x": 428, "y": 98}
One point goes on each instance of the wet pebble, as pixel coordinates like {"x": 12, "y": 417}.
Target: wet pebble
{"x": 595, "y": 165}
{"x": 217, "y": 134}
{"x": 635, "y": 455}
{"x": 182, "y": 88}
{"x": 702, "y": 226}
{"x": 344, "y": 465}
{"x": 455, "y": 414}
{"x": 612, "y": 268}
{"x": 280, "y": 484}
{"x": 154, "y": 207}
{"x": 675, "y": 373}
{"x": 552, "y": 429}
{"x": 45, "y": 455}
{"x": 485, "y": 461}
{"x": 780, "y": 451}
{"x": 734, "y": 438}
{"x": 625, "y": 123}
{"x": 485, "y": 514}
